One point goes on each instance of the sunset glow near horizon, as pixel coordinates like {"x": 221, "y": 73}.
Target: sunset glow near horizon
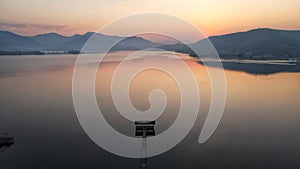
{"x": 212, "y": 17}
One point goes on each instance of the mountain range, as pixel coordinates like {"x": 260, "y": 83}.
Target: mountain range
{"x": 263, "y": 42}
{"x": 56, "y": 42}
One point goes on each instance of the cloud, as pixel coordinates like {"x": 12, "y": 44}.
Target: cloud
{"x": 6, "y": 25}
{"x": 11, "y": 25}
{"x": 32, "y": 28}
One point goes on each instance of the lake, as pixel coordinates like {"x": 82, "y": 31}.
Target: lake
{"x": 259, "y": 128}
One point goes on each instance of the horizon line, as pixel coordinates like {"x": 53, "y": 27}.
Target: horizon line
{"x": 241, "y": 31}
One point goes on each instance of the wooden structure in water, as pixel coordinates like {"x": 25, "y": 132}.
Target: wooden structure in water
{"x": 144, "y": 129}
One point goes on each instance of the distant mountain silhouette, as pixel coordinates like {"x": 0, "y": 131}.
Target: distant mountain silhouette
{"x": 55, "y": 42}
{"x": 12, "y": 42}
{"x": 179, "y": 47}
{"x": 261, "y": 43}
{"x": 135, "y": 43}
{"x": 50, "y": 41}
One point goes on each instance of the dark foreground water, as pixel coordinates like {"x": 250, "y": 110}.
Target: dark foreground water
{"x": 259, "y": 129}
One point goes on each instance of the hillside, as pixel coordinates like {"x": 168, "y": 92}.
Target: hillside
{"x": 55, "y": 42}
{"x": 254, "y": 44}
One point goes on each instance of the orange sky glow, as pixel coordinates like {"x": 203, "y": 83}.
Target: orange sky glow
{"x": 212, "y": 17}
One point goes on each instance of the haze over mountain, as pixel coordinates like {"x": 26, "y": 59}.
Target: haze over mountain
{"x": 258, "y": 43}
{"x": 267, "y": 43}
{"x": 10, "y": 42}
{"x": 55, "y": 42}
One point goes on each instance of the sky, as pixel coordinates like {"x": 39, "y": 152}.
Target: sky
{"x": 212, "y": 17}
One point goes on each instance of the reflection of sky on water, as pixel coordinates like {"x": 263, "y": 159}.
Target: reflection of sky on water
{"x": 259, "y": 128}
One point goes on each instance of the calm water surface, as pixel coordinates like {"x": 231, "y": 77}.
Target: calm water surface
{"x": 259, "y": 129}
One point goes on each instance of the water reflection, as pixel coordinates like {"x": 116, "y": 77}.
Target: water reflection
{"x": 259, "y": 129}
{"x": 257, "y": 67}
